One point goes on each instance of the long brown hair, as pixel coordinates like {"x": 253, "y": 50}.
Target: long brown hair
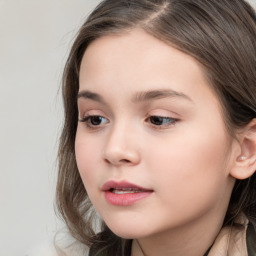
{"x": 219, "y": 34}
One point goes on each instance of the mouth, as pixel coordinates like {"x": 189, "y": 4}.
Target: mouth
{"x": 124, "y": 193}
{"x": 123, "y": 187}
{"x": 125, "y": 190}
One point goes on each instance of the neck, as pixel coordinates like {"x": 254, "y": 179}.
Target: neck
{"x": 193, "y": 239}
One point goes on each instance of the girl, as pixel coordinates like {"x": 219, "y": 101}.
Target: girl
{"x": 159, "y": 137}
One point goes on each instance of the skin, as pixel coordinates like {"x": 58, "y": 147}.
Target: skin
{"x": 187, "y": 163}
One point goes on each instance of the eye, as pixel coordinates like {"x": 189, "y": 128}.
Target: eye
{"x": 92, "y": 121}
{"x": 161, "y": 121}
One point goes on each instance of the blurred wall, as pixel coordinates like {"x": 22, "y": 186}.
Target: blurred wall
{"x": 35, "y": 36}
{"x": 252, "y": 2}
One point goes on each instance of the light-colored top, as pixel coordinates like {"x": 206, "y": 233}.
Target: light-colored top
{"x": 230, "y": 241}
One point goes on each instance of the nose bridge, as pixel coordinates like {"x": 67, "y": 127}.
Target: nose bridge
{"x": 121, "y": 146}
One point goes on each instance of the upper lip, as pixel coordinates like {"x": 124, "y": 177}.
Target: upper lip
{"x": 122, "y": 184}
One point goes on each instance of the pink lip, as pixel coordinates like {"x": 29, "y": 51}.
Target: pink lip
{"x": 124, "y": 199}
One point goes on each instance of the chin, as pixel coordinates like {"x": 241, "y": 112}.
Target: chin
{"x": 127, "y": 234}
{"x": 128, "y": 231}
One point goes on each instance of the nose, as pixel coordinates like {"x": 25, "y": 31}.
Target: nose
{"x": 122, "y": 147}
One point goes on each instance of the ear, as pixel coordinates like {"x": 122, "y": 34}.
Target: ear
{"x": 245, "y": 162}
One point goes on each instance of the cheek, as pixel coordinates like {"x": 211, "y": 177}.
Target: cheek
{"x": 87, "y": 156}
{"x": 192, "y": 165}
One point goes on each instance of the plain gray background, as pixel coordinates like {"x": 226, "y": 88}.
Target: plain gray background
{"x": 35, "y": 37}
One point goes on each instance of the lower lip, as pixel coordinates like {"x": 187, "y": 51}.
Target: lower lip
{"x": 125, "y": 199}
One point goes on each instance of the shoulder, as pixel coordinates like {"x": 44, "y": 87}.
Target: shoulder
{"x": 238, "y": 240}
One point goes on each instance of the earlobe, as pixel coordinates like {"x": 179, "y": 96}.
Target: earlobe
{"x": 245, "y": 163}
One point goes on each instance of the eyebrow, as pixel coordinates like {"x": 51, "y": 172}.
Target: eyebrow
{"x": 90, "y": 95}
{"x": 139, "y": 96}
{"x": 159, "y": 94}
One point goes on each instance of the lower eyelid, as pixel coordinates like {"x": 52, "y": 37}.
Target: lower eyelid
{"x": 160, "y": 124}
{"x": 88, "y": 121}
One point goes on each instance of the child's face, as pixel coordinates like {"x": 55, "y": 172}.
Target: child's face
{"x": 158, "y": 125}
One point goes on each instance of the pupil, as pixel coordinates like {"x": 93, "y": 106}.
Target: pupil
{"x": 156, "y": 120}
{"x": 95, "y": 120}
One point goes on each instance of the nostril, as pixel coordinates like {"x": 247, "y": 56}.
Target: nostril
{"x": 107, "y": 161}
{"x": 122, "y": 161}
{"x": 119, "y": 156}
{"x": 125, "y": 161}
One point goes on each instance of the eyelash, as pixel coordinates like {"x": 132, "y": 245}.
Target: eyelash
{"x": 156, "y": 121}
{"x": 88, "y": 121}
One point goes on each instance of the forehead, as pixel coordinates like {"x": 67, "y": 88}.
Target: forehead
{"x": 135, "y": 45}
{"x": 137, "y": 61}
